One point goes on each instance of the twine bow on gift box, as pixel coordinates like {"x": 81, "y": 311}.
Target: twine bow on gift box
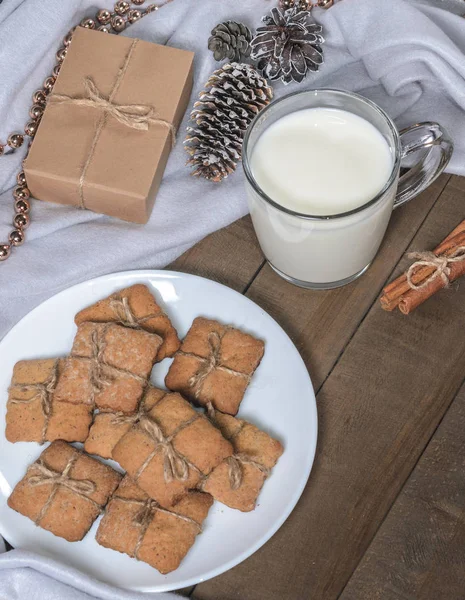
{"x": 135, "y": 116}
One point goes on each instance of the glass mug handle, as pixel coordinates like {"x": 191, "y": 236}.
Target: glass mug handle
{"x": 435, "y": 148}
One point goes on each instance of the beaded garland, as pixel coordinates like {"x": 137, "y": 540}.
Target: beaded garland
{"x": 105, "y": 21}
{"x": 305, "y": 4}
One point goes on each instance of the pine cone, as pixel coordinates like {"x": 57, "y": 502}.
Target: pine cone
{"x": 230, "y": 40}
{"x": 288, "y": 46}
{"x": 233, "y": 96}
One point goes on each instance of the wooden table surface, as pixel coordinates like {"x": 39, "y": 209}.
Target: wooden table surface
{"x": 383, "y": 513}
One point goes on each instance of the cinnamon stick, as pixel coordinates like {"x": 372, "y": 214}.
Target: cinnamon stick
{"x": 392, "y": 294}
{"x": 414, "y": 298}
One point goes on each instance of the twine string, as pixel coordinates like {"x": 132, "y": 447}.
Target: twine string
{"x": 235, "y": 462}
{"x": 136, "y": 116}
{"x": 98, "y": 377}
{"x": 120, "y": 418}
{"x": 101, "y": 373}
{"x": 125, "y": 315}
{"x": 44, "y": 391}
{"x": 174, "y": 465}
{"x": 47, "y": 476}
{"x": 440, "y": 264}
{"x": 236, "y": 472}
{"x": 145, "y": 515}
{"x": 210, "y": 363}
{"x": 211, "y": 412}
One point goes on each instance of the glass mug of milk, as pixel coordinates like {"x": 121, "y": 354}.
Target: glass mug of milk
{"x": 322, "y": 175}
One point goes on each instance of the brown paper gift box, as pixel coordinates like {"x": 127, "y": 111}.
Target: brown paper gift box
{"x": 126, "y": 166}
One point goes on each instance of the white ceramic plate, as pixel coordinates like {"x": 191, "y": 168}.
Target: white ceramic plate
{"x": 280, "y": 399}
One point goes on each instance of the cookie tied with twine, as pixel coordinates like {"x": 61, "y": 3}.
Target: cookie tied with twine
{"x": 145, "y": 516}
{"x": 215, "y": 364}
{"x": 64, "y": 491}
{"x": 210, "y": 363}
{"x": 137, "y": 525}
{"x": 237, "y": 481}
{"x": 33, "y": 412}
{"x": 98, "y": 373}
{"x": 42, "y": 393}
{"x": 171, "y": 448}
{"x": 134, "y": 307}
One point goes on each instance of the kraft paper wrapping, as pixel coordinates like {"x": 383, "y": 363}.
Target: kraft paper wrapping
{"x": 126, "y": 166}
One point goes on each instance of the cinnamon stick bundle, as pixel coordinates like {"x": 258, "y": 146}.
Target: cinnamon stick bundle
{"x": 423, "y": 280}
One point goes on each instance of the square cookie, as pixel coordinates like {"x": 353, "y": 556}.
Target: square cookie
{"x": 237, "y": 481}
{"x": 134, "y": 307}
{"x": 34, "y": 414}
{"x": 109, "y": 427}
{"x": 135, "y": 524}
{"x": 64, "y": 491}
{"x": 171, "y": 449}
{"x": 108, "y": 367}
{"x": 215, "y": 365}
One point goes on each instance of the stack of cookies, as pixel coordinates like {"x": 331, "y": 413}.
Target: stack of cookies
{"x": 177, "y": 459}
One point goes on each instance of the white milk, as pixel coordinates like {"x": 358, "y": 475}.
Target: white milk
{"x": 321, "y": 162}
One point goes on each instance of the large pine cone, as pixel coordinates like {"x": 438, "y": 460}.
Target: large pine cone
{"x": 233, "y": 96}
{"x": 288, "y": 46}
{"x": 230, "y": 40}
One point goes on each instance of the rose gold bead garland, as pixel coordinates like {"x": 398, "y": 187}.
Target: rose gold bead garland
{"x": 105, "y": 21}
{"x": 305, "y": 4}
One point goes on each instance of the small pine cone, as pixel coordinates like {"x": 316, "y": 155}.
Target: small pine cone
{"x": 233, "y": 96}
{"x": 288, "y": 46}
{"x": 230, "y": 40}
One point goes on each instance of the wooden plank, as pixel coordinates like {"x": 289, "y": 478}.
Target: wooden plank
{"x": 186, "y": 592}
{"x": 231, "y": 256}
{"x": 322, "y": 323}
{"x": 419, "y": 551}
{"x": 377, "y": 411}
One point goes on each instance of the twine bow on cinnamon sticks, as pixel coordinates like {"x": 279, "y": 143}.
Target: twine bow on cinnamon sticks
{"x": 430, "y": 272}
